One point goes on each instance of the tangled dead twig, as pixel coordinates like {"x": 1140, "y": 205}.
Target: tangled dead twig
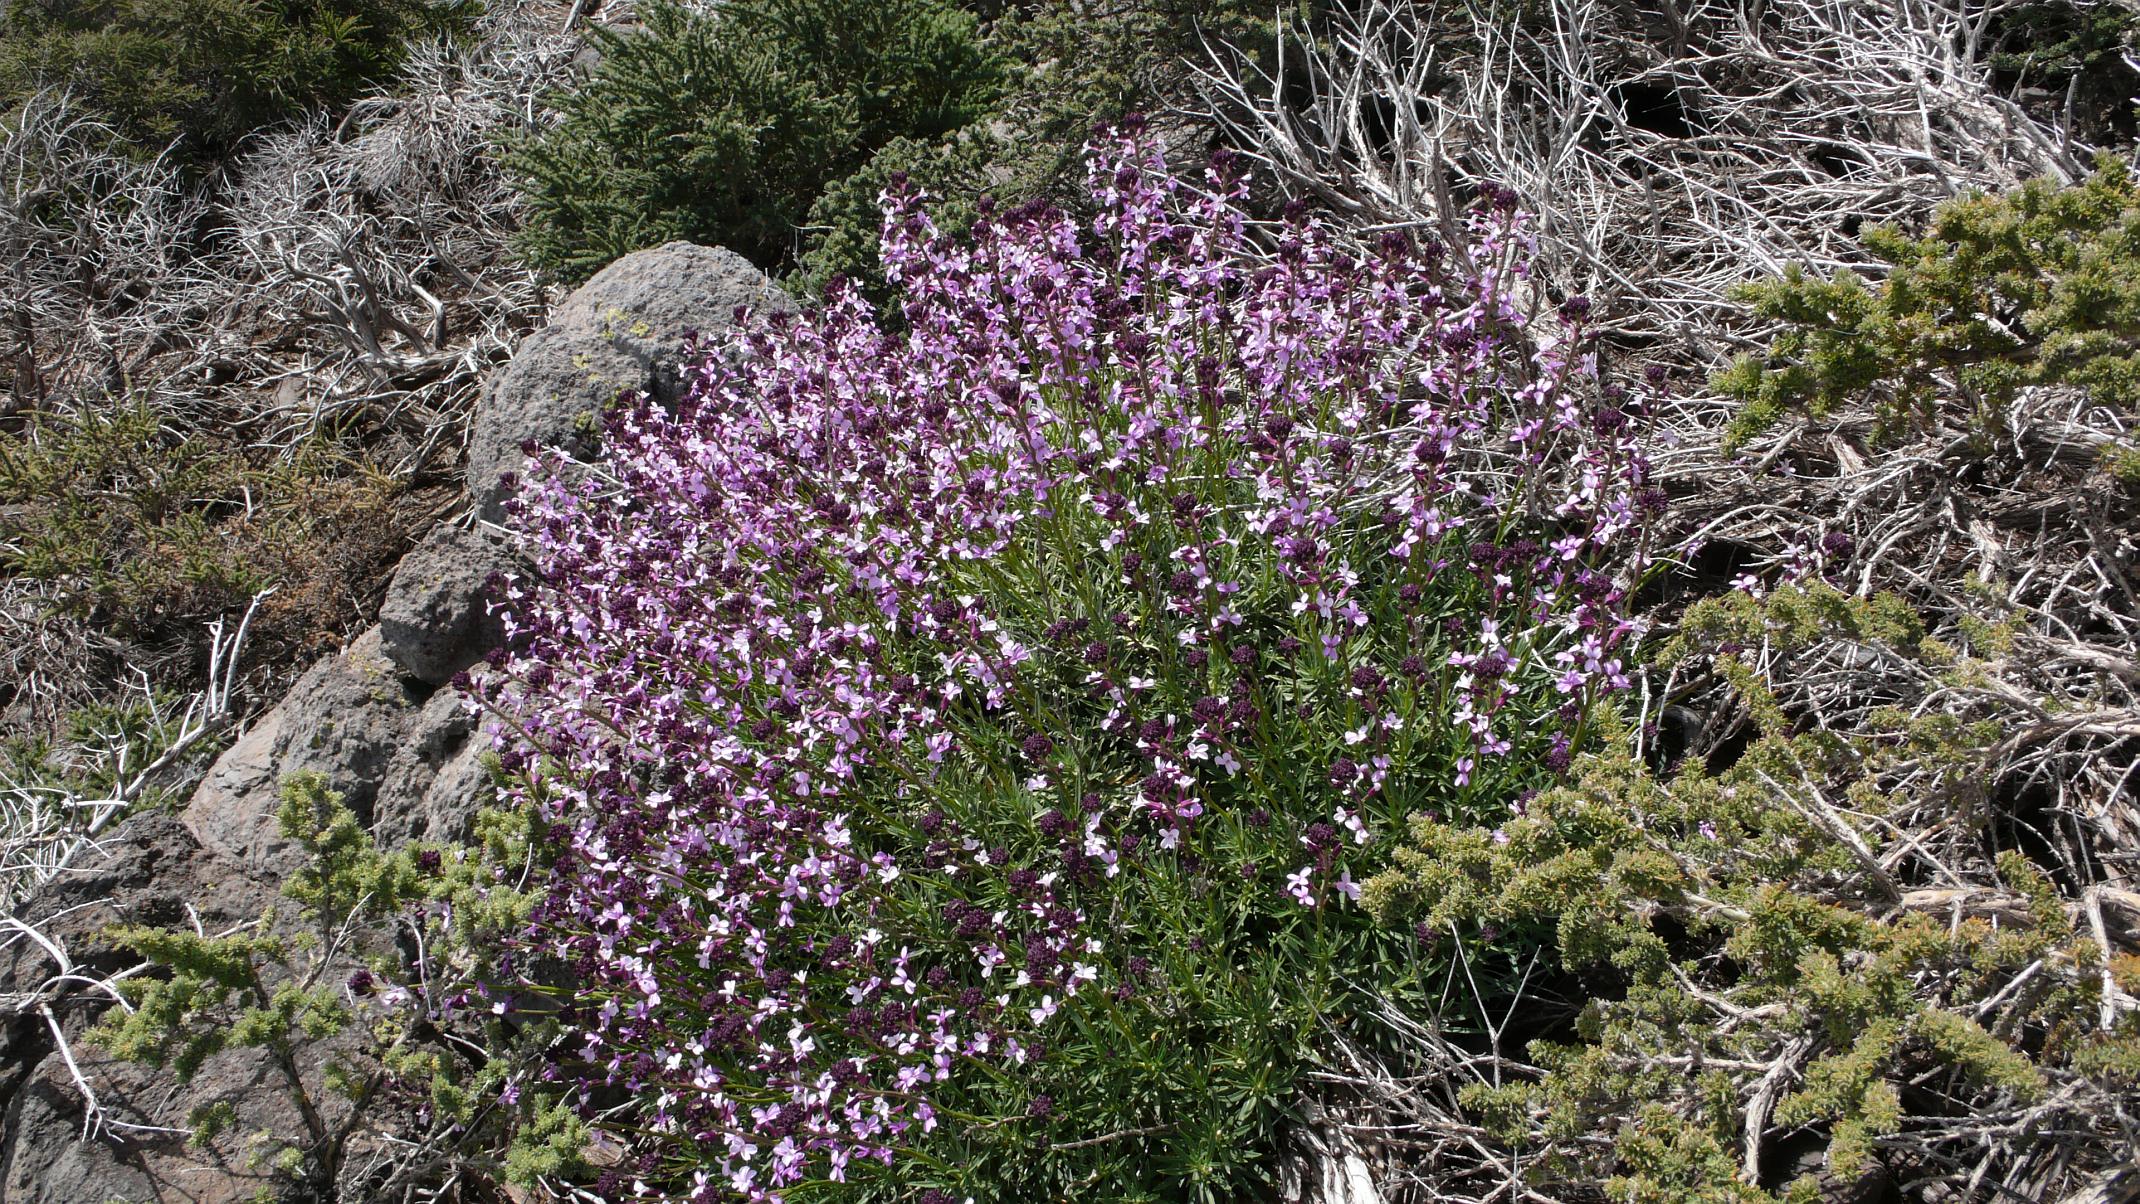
{"x": 322, "y": 307}
{"x": 1669, "y": 152}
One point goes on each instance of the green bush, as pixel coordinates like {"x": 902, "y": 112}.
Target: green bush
{"x": 208, "y": 71}
{"x": 772, "y": 127}
{"x": 723, "y": 126}
{"x": 2038, "y": 287}
{"x": 1733, "y": 922}
{"x": 1070, "y": 65}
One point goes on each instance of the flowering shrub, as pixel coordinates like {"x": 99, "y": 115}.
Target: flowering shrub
{"x": 961, "y": 747}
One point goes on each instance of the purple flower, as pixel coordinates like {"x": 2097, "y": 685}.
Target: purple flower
{"x": 780, "y": 685}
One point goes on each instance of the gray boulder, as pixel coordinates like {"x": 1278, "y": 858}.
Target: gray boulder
{"x": 436, "y": 782}
{"x": 551, "y": 393}
{"x": 433, "y": 622}
{"x": 405, "y": 760}
{"x": 621, "y": 331}
{"x": 345, "y": 718}
{"x": 647, "y": 302}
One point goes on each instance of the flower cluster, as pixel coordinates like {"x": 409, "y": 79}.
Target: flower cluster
{"x": 925, "y": 716}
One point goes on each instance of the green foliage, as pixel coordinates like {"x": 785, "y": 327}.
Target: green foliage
{"x": 2075, "y": 51}
{"x": 1068, "y": 66}
{"x": 2037, "y": 287}
{"x": 771, "y": 126}
{"x": 1723, "y": 923}
{"x": 268, "y": 988}
{"x": 208, "y": 72}
{"x": 724, "y": 125}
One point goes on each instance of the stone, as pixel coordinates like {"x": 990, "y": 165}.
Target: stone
{"x": 148, "y": 869}
{"x": 648, "y": 301}
{"x": 436, "y": 782}
{"x": 433, "y": 621}
{"x": 622, "y": 331}
{"x": 345, "y": 718}
{"x": 552, "y": 393}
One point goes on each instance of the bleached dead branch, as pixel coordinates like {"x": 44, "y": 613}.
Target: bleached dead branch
{"x": 1670, "y": 151}
{"x": 342, "y": 283}
{"x": 44, "y": 825}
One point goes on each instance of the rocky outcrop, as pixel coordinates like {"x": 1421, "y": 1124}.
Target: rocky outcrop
{"x": 622, "y": 330}
{"x": 378, "y": 719}
{"x": 436, "y": 782}
{"x": 647, "y": 303}
{"x": 434, "y": 620}
{"x": 549, "y": 394}
{"x": 148, "y": 870}
{"x": 345, "y": 718}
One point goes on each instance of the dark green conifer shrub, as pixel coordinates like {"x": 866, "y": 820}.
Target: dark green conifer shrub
{"x": 208, "y": 72}
{"x": 2074, "y": 50}
{"x": 1069, "y": 66}
{"x": 723, "y": 124}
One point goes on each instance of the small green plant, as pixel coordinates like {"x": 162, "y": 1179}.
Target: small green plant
{"x": 327, "y": 981}
{"x": 722, "y": 124}
{"x": 275, "y": 986}
{"x": 209, "y": 72}
{"x": 2037, "y": 287}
